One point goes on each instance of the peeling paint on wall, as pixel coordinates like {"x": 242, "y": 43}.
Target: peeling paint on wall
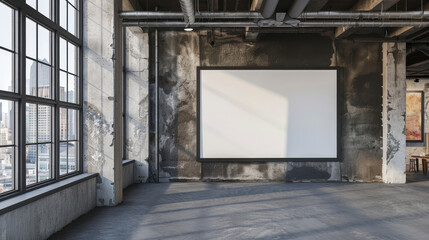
{"x": 98, "y": 105}
{"x": 136, "y": 95}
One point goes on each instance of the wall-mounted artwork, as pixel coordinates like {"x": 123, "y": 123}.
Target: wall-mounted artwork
{"x": 414, "y": 116}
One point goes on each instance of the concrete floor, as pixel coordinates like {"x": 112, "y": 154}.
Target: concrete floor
{"x": 261, "y": 211}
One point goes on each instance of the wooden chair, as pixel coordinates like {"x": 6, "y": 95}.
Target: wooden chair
{"x": 412, "y": 167}
{"x": 425, "y": 164}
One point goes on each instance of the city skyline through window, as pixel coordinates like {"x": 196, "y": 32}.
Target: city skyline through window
{"x": 40, "y": 99}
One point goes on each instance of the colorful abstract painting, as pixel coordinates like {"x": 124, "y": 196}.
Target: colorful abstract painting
{"x": 414, "y": 125}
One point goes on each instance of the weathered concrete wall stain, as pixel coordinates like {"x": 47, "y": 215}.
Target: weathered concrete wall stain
{"x": 98, "y": 105}
{"x": 178, "y": 57}
{"x": 360, "y": 64}
{"x": 361, "y": 136}
{"x": 394, "y": 92}
{"x": 136, "y": 94}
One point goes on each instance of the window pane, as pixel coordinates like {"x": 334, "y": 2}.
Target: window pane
{"x": 7, "y": 118}
{"x": 72, "y": 153}
{"x": 44, "y": 45}
{"x": 63, "y": 54}
{"x": 31, "y": 157}
{"x": 63, "y": 14}
{"x": 32, "y": 3}
{"x": 63, "y": 158}
{"x": 31, "y": 77}
{"x": 72, "y": 124}
{"x": 6, "y": 26}
{"x": 44, "y": 81}
{"x": 6, "y": 70}
{"x": 7, "y": 169}
{"x": 63, "y": 124}
{"x": 72, "y": 17}
{"x": 63, "y": 86}
{"x": 31, "y": 38}
{"x": 72, "y": 58}
{"x": 44, "y": 7}
{"x": 44, "y": 123}
{"x": 71, "y": 94}
{"x": 31, "y": 122}
{"x": 44, "y": 162}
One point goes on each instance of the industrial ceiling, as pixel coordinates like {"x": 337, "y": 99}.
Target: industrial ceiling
{"x": 358, "y": 20}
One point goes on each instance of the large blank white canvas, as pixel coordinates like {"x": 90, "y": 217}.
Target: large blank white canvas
{"x": 268, "y": 113}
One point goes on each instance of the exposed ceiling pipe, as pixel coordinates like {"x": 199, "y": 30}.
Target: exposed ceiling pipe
{"x": 296, "y": 8}
{"x": 328, "y": 24}
{"x": 188, "y": 11}
{"x": 179, "y": 15}
{"x": 256, "y": 15}
{"x": 365, "y": 15}
{"x": 268, "y": 8}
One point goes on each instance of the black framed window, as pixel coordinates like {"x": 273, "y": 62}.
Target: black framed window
{"x": 38, "y": 60}
{"x": 8, "y": 147}
{"x": 40, "y": 93}
{"x": 8, "y": 53}
{"x": 69, "y": 77}
{"x": 39, "y": 143}
{"x": 69, "y": 140}
{"x": 8, "y": 115}
{"x": 69, "y": 13}
{"x": 42, "y": 6}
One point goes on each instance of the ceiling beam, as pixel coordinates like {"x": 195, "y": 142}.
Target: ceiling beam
{"x": 405, "y": 31}
{"x": 364, "y": 6}
{"x": 418, "y": 64}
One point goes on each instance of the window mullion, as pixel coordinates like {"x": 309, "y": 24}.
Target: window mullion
{"x": 22, "y": 105}
{"x": 56, "y": 159}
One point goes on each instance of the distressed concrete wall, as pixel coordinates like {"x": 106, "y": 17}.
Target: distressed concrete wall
{"x": 181, "y": 53}
{"x": 178, "y": 56}
{"x": 43, "y": 217}
{"x": 419, "y": 147}
{"x": 361, "y": 137}
{"x": 394, "y": 92}
{"x": 99, "y": 96}
{"x": 136, "y": 94}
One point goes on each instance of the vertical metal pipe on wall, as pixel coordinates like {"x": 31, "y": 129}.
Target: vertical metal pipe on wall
{"x": 156, "y": 106}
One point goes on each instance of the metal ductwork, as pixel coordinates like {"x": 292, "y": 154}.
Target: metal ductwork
{"x": 269, "y": 7}
{"x": 297, "y": 8}
{"x": 312, "y": 24}
{"x": 365, "y": 15}
{"x": 188, "y": 11}
{"x": 256, "y": 15}
{"x": 200, "y": 15}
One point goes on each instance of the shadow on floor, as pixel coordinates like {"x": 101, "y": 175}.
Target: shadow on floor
{"x": 208, "y": 210}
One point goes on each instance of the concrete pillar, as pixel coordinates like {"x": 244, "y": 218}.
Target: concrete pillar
{"x": 102, "y": 130}
{"x": 394, "y": 93}
{"x": 136, "y": 68}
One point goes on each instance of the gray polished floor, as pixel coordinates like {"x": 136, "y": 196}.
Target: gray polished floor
{"x": 262, "y": 211}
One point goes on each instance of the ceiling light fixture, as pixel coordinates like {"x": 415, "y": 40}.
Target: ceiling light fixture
{"x": 188, "y": 28}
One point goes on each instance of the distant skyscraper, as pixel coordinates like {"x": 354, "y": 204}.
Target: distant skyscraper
{"x": 11, "y": 116}
{"x": 39, "y": 120}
